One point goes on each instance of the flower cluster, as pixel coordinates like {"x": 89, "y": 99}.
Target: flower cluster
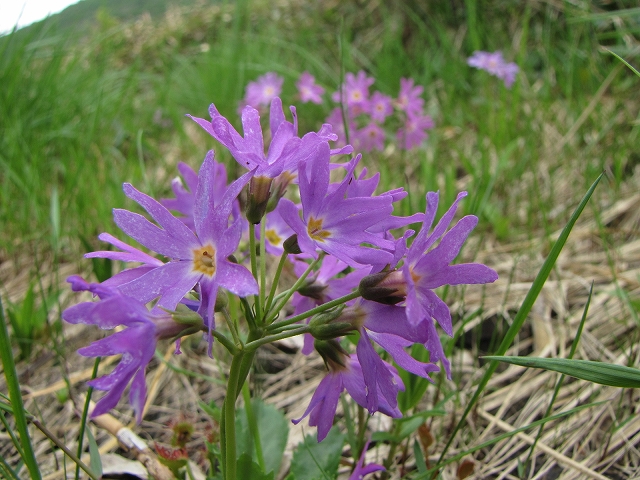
{"x": 495, "y": 64}
{"x": 370, "y": 117}
{"x": 357, "y": 273}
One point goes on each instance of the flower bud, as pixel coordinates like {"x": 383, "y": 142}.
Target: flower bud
{"x": 279, "y": 188}
{"x": 335, "y": 357}
{"x": 385, "y": 287}
{"x": 290, "y": 245}
{"x": 259, "y": 193}
{"x": 313, "y": 290}
{"x": 325, "y": 327}
{"x": 222, "y": 300}
{"x": 175, "y": 324}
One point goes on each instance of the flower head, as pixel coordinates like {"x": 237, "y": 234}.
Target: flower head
{"x": 136, "y": 343}
{"x": 380, "y": 106}
{"x": 263, "y": 90}
{"x": 428, "y": 267}
{"x": 197, "y": 258}
{"x": 409, "y": 99}
{"x": 495, "y": 64}
{"x": 347, "y": 376}
{"x": 355, "y": 91}
{"x": 335, "y": 224}
{"x": 308, "y": 90}
{"x": 414, "y": 131}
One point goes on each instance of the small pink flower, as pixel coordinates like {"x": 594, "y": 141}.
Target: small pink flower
{"x": 380, "y": 106}
{"x": 263, "y": 90}
{"x": 414, "y": 131}
{"x": 308, "y": 90}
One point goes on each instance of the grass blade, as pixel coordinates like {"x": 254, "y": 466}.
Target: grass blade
{"x": 525, "y": 308}
{"x": 9, "y": 366}
{"x": 595, "y": 372}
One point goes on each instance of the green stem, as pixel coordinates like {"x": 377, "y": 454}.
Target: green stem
{"x": 276, "y": 310}
{"x": 313, "y": 311}
{"x": 229, "y": 438}
{"x": 274, "y": 285}
{"x": 253, "y": 425}
{"x": 233, "y": 350}
{"x": 254, "y": 264}
{"x": 85, "y": 414}
{"x": 254, "y": 345}
{"x": 13, "y": 385}
{"x": 263, "y": 264}
{"x": 232, "y": 328}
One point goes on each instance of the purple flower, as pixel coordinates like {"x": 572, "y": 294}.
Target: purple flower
{"x": 495, "y": 64}
{"x": 380, "y": 106}
{"x": 333, "y": 223}
{"x": 276, "y": 232}
{"x": 263, "y": 90}
{"x": 322, "y": 408}
{"x": 413, "y": 133}
{"x": 409, "y": 99}
{"x": 136, "y": 344}
{"x": 355, "y": 92}
{"x": 386, "y": 325}
{"x": 370, "y": 137}
{"x": 308, "y": 90}
{"x": 285, "y": 149}
{"x": 184, "y": 202}
{"x": 196, "y": 258}
{"x": 361, "y": 470}
{"x": 428, "y": 268}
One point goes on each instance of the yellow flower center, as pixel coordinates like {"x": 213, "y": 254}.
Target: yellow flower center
{"x": 204, "y": 260}
{"x": 414, "y": 276}
{"x": 272, "y": 237}
{"x": 314, "y": 228}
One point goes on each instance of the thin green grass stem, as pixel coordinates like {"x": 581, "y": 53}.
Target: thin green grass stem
{"x": 254, "y": 265}
{"x": 348, "y": 422}
{"x": 432, "y": 471}
{"x": 7, "y": 471}
{"x": 15, "y": 440}
{"x": 13, "y": 385}
{"x": 85, "y": 414}
{"x": 253, "y": 425}
{"x": 276, "y": 310}
{"x": 274, "y": 285}
{"x": 556, "y": 390}
{"x": 309, "y": 313}
{"x": 64, "y": 448}
{"x": 524, "y": 310}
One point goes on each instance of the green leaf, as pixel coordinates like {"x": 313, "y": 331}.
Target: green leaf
{"x": 273, "y": 428}
{"x": 318, "y": 461}
{"x": 249, "y": 469}
{"x": 596, "y": 372}
{"x": 421, "y": 463}
{"x": 415, "y": 386}
{"x": 94, "y": 454}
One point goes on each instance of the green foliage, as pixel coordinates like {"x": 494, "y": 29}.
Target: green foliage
{"x": 596, "y": 372}
{"x": 273, "y": 428}
{"x": 29, "y": 321}
{"x": 317, "y": 461}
